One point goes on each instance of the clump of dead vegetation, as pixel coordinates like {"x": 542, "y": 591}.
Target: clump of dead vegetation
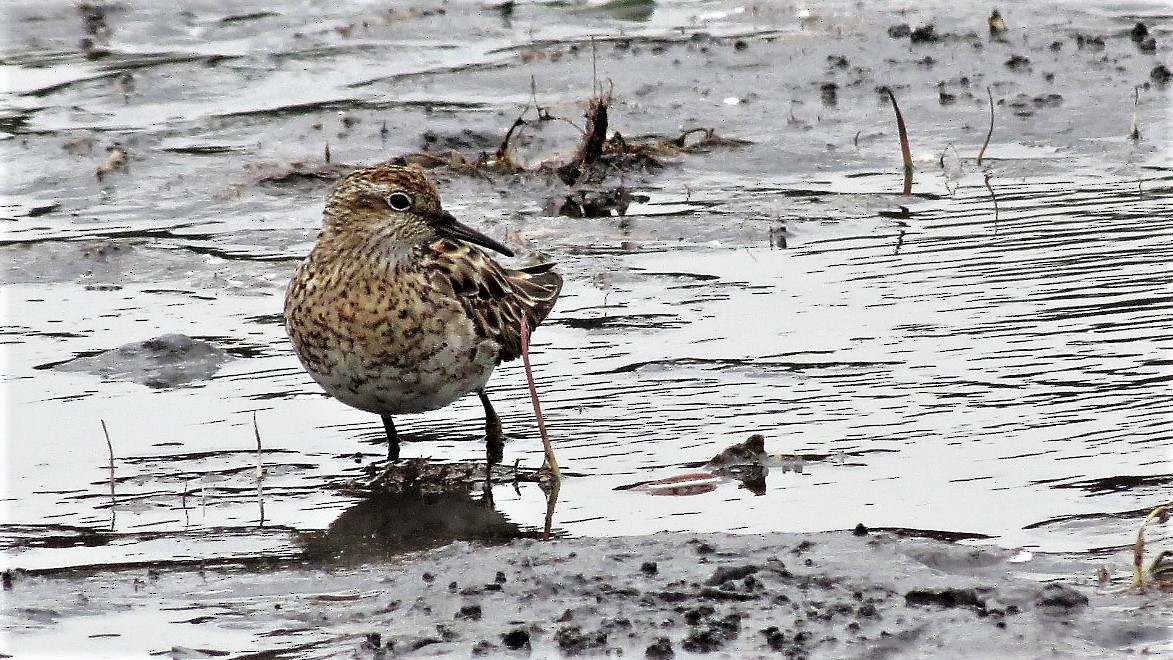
{"x": 597, "y": 157}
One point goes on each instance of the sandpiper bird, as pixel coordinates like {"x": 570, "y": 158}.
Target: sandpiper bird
{"x": 396, "y": 310}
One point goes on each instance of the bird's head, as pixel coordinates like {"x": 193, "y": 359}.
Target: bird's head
{"x": 399, "y": 205}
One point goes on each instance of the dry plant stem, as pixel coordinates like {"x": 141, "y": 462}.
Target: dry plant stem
{"x": 551, "y": 462}
{"x": 260, "y": 473}
{"x": 1161, "y": 514}
{"x": 1134, "y": 127}
{"x": 503, "y": 150}
{"x": 110, "y": 450}
{"x": 110, "y": 454}
{"x": 989, "y": 133}
{"x": 905, "y": 152}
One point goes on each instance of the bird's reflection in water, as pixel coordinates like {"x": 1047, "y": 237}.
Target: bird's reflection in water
{"x": 390, "y": 524}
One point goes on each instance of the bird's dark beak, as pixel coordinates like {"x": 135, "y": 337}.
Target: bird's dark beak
{"x": 449, "y": 227}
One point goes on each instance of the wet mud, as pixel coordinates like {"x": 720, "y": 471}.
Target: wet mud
{"x": 677, "y": 595}
{"x": 978, "y": 366}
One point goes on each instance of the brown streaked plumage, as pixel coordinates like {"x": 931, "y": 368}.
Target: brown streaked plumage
{"x": 396, "y": 310}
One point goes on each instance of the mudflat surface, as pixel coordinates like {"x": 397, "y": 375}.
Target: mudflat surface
{"x": 984, "y": 361}
{"x": 829, "y": 595}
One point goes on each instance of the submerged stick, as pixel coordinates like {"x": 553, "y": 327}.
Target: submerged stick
{"x": 551, "y": 462}
{"x": 989, "y": 133}
{"x": 110, "y": 450}
{"x": 1134, "y": 127}
{"x": 905, "y": 152}
{"x": 260, "y": 472}
{"x": 994, "y": 198}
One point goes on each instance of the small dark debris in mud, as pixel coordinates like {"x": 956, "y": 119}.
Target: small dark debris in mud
{"x": 1060, "y": 596}
{"x": 1017, "y": 63}
{"x": 573, "y": 641}
{"x": 162, "y": 362}
{"x": 79, "y": 146}
{"x": 743, "y": 461}
{"x": 899, "y": 31}
{"x": 829, "y": 94}
{"x": 996, "y": 24}
{"x": 470, "y": 612}
{"x": 1144, "y": 40}
{"x": 1161, "y": 74}
{"x": 725, "y": 574}
{"x": 298, "y": 172}
{"x": 465, "y": 140}
{"x": 373, "y": 643}
{"x": 946, "y": 598}
{"x": 117, "y": 160}
{"x": 924, "y": 34}
{"x": 93, "y": 16}
{"x": 661, "y": 649}
{"x": 1089, "y": 41}
{"x": 1139, "y": 32}
{"x": 1048, "y": 101}
{"x": 751, "y": 451}
{"x": 589, "y": 203}
{"x": 516, "y": 640}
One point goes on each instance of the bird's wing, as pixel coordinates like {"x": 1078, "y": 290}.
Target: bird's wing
{"x": 493, "y": 296}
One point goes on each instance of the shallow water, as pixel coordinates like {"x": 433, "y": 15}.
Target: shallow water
{"x": 986, "y": 365}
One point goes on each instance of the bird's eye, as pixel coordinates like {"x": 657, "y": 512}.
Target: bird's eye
{"x": 400, "y": 201}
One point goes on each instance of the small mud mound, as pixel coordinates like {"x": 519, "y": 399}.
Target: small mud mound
{"x": 166, "y": 361}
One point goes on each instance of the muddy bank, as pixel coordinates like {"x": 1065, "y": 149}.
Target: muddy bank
{"x": 826, "y": 595}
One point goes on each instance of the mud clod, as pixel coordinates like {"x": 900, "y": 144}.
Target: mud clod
{"x": 924, "y": 34}
{"x": 1161, "y": 74}
{"x": 1060, "y": 596}
{"x": 945, "y": 598}
{"x": 661, "y": 649}
{"x": 1018, "y": 63}
{"x": 729, "y": 573}
{"x": 573, "y": 641}
{"x": 470, "y": 613}
{"x": 516, "y": 639}
{"x": 899, "y": 31}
